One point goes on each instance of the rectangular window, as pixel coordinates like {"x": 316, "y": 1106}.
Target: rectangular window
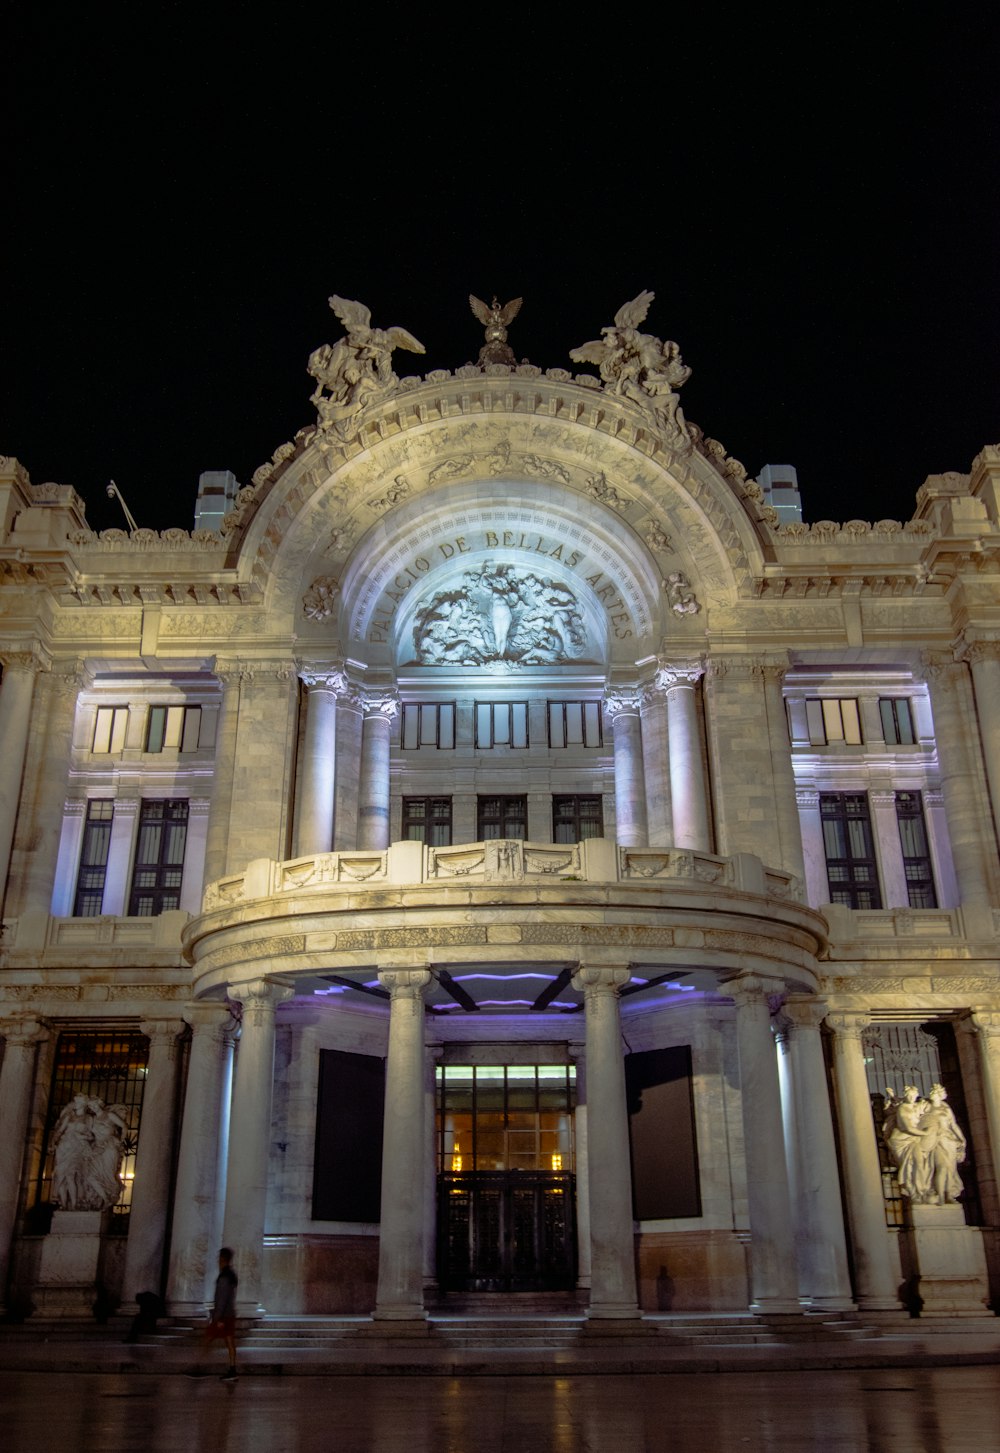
{"x": 94, "y": 858}
{"x": 173, "y": 729}
{"x": 427, "y": 724}
{"x": 159, "y": 858}
{"x": 498, "y": 817}
{"x": 833, "y": 719}
{"x": 427, "y": 820}
{"x": 850, "y": 851}
{"x": 576, "y": 818}
{"x": 575, "y": 724}
{"x": 110, "y": 727}
{"x": 897, "y": 721}
{"x": 916, "y": 851}
{"x": 501, "y": 724}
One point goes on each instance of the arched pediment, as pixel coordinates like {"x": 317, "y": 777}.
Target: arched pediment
{"x": 526, "y": 478}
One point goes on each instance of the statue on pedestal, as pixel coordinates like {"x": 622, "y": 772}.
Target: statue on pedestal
{"x": 926, "y": 1145}
{"x": 88, "y": 1141}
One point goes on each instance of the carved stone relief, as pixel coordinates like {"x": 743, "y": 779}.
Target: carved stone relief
{"x": 500, "y": 615}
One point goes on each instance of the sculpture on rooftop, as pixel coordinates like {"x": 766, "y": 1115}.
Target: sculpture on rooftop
{"x": 355, "y": 369}
{"x": 495, "y": 319}
{"x": 639, "y": 367}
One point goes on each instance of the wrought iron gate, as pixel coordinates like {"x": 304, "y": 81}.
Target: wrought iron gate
{"x": 506, "y": 1231}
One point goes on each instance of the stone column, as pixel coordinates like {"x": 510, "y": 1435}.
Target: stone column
{"x": 984, "y": 661}
{"x": 609, "y": 1176}
{"x": 630, "y": 787}
{"x": 400, "y": 1295}
{"x": 821, "y": 1248}
{"x": 316, "y": 799}
{"x": 960, "y": 783}
{"x": 773, "y": 1280}
{"x": 988, "y": 1034}
{"x": 47, "y": 766}
{"x": 656, "y": 768}
{"x": 250, "y": 1136}
{"x": 16, "y": 688}
{"x": 199, "y": 1195}
{"x": 875, "y": 1280}
{"x": 217, "y": 838}
{"x": 782, "y": 775}
{"x": 373, "y": 796}
{"x": 147, "y": 1222}
{"x": 17, "y": 1076}
{"x": 688, "y": 790}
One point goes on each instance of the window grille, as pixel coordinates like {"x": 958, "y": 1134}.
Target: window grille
{"x": 916, "y": 850}
{"x": 94, "y": 858}
{"x": 850, "y": 852}
{"x": 502, "y": 817}
{"x": 576, "y": 818}
{"x": 159, "y": 858}
{"x": 427, "y": 820}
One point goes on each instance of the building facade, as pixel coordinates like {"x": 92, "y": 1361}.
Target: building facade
{"x": 505, "y": 859}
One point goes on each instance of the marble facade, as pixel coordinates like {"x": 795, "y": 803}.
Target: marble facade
{"x": 509, "y": 726}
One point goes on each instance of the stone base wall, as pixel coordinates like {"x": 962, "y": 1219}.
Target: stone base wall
{"x": 311, "y": 1275}
{"x": 692, "y": 1271}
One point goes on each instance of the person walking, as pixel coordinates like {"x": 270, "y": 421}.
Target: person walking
{"x": 222, "y": 1321}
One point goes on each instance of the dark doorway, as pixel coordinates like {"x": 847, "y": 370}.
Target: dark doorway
{"x": 506, "y": 1231}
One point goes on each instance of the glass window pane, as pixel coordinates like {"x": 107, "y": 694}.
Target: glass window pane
{"x": 192, "y": 727}
{"x": 411, "y": 727}
{"x": 851, "y": 722}
{"x": 155, "y": 729}
{"x": 832, "y": 722}
{"x": 484, "y": 726}
{"x": 519, "y": 724}
{"x": 592, "y": 723}
{"x": 446, "y": 728}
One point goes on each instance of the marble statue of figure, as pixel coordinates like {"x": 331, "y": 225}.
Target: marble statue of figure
{"x": 500, "y": 615}
{"x": 680, "y": 596}
{"x": 904, "y": 1135}
{"x": 944, "y": 1147}
{"x": 356, "y": 368}
{"x": 639, "y": 366}
{"x": 495, "y": 319}
{"x": 88, "y": 1141}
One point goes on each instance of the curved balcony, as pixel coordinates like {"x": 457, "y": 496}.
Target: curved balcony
{"x": 504, "y": 910}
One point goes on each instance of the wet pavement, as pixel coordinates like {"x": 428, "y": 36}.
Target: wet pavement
{"x": 933, "y": 1410}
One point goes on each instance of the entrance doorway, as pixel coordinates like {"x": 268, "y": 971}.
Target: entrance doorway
{"x": 506, "y": 1182}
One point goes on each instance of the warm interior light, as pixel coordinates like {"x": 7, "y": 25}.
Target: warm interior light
{"x": 456, "y": 1157}
{"x": 556, "y": 1161}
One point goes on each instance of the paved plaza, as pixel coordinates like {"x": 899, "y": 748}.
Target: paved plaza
{"x": 941, "y": 1410}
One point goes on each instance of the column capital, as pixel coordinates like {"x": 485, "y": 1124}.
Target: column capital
{"x": 673, "y": 674}
{"x": 380, "y": 704}
{"x": 23, "y": 1029}
{"x": 979, "y": 649}
{"x": 230, "y": 673}
{"x": 987, "y": 1026}
{"x": 599, "y": 979}
{"x": 622, "y": 701}
{"x": 805, "y": 1013}
{"x": 211, "y": 1016}
{"x": 940, "y": 667}
{"x": 260, "y": 993}
{"x": 405, "y": 983}
{"x": 15, "y": 659}
{"x": 849, "y": 1023}
{"x": 324, "y": 676}
{"x": 161, "y": 1032}
{"x": 750, "y": 989}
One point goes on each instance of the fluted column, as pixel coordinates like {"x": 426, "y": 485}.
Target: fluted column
{"x": 984, "y": 661}
{"x": 22, "y": 1037}
{"x": 656, "y": 766}
{"x": 814, "y": 1182}
{"x": 400, "y": 1295}
{"x": 147, "y": 1222}
{"x": 373, "y": 795}
{"x": 688, "y": 789}
{"x": 875, "y": 1280}
{"x": 773, "y": 1280}
{"x": 609, "y": 1174}
{"x": 782, "y": 775}
{"x": 960, "y": 783}
{"x": 16, "y": 688}
{"x": 199, "y": 1195}
{"x": 317, "y": 792}
{"x": 250, "y": 1137}
{"x": 988, "y": 1034}
{"x": 630, "y": 787}
{"x": 217, "y": 837}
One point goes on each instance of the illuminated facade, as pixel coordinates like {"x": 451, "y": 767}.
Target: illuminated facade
{"x": 507, "y": 859}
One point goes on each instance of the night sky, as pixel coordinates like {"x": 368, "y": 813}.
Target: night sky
{"x": 814, "y": 201}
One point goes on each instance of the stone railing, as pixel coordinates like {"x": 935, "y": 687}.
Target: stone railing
{"x": 41, "y": 931}
{"x": 501, "y": 861}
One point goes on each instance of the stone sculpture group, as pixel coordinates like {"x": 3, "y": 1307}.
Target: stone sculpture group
{"x": 926, "y": 1145}
{"x": 88, "y": 1140}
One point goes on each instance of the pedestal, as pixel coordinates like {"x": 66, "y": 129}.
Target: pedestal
{"x": 67, "y": 1283}
{"x": 949, "y": 1259}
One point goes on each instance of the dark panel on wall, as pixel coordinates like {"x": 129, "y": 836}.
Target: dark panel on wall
{"x": 347, "y": 1172}
{"x": 662, "y": 1134}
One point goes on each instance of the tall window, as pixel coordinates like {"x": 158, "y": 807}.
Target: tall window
{"x": 427, "y": 724}
{"x": 576, "y": 818}
{"x": 109, "y": 728}
{"x": 159, "y": 858}
{"x": 575, "y": 724}
{"x": 94, "y": 858}
{"x": 173, "y": 728}
{"x": 850, "y": 852}
{"x": 502, "y": 817}
{"x": 916, "y": 851}
{"x": 427, "y": 820}
{"x": 833, "y": 719}
{"x": 897, "y": 721}
{"x": 501, "y": 724}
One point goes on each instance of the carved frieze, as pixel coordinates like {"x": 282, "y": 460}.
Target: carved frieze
{"x": 500, "y": 615}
